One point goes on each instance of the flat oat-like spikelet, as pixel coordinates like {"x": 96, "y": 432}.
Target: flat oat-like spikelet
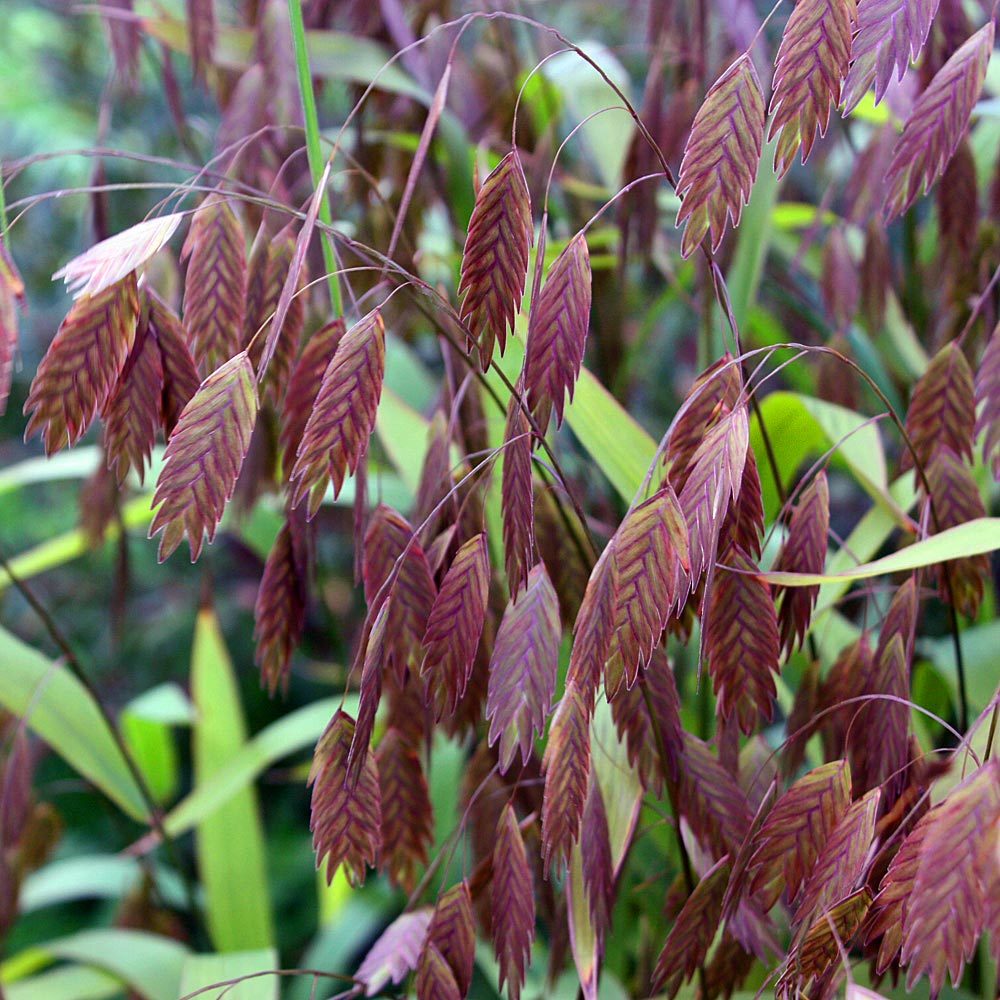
{"x": 495, "y": 260}
{"x": 741, "y": 643}
{"x": 523, "y": 668}
{"x": 512, "y": 899}
{"x": 82, "y": 365}
{"x": 710, "y": 800}
{"x": 650, "y": 551}
{"x": 396, "y": 952}
{"x": 346, "y": 821}
{"x": 132, "y": 413}
{"x": 804, "y": 551}
{"x": 216, "y": 282}
{"x": 517, "y": 507}
{"x": 694, "y": 930}
{"x": 841, "y": 862}
{"x": 955, "y": 880}
{"x": 721, "y": 157}
{"x": 889, "y": 35}
{"x": 303, "y": 385}
{"x": 957, "y": 500}
{"x": 812, "y": 63}
{"x": 942, "y": 409}
{"x": 452, "y": 934}
{"x": 204, "y": 456}
{"x": 594, "y": 628}
{"x": 988, "y": 403}
{"x": 796, "y": 831}
{"x": 597, "y": 863}
{"x": 280, "y": 609}
{"x": 201, "y": 29}
{"x": 341, "y": 422}
{"x": 180, "y": 375}
{"x": 937, "y": 123}
{"x": 713, "y": 485}
{"x": 557, "y": 332}
{"x": 830, "y": 933}
{"x": 454, "y": 627}
{"x": 389, "y": 539}
{"x": 407, "y": 814}
{"x": 566, "y": 765}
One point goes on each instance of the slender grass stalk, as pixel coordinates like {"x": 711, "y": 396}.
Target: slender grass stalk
{"x": 313, "y": 147}
{"x": 3, "y": 207}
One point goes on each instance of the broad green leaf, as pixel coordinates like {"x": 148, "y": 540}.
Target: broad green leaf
{"x": 77, "y": 981}
{"x": 206, "y": 970}
{"x": 403, "y": 433}
{"x": 72, "y": 544}
{"x": 60, "y": 710}
{"x": 295, "y": 731}
{"x": 230, "y": 842}
{"x": 973, "y": 538}
{"x": 94, "y": 876}
{"x": 77, "y": 463}
{"x": 614, "y": 440}
{"x": 147, "y": 726}
{"x": 148, "y": 963}
{"x": 802, "y": 428}
{"x": 753, "y": 237}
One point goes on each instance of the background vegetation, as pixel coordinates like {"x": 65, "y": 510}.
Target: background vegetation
{"x": 131, "y": 683}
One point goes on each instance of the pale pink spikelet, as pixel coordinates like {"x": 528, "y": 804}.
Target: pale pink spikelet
{"x": 280, "y": 608}
{"x": 495, "y": 259}
{"x": 937, "y": 123}
{"x": 839, "y": 283}
{"x": 785, "y": 849}
{"x": 889, "y": 35}
{"x": 132, "y": 412}
{"x": 988, "y": 402}
{"x": 215, "y": 283}
{"x": 557, "y": 332}
{"x": 345, "y": 821}
{"x": 454, "y": 627}
{"x": 11, "y": 299}
{"x": 82, "y": 365}
{"x": 812, "y": 62}
{"x": 512, "y": 901}
{"x": 396, "y": 952}
{"x": 523, "y": 668}
{"x": 566, "y": 765}
{"x": 942, "y": 409}
{"x": 303, "y": 386}
{"x": 343, "y": 417}
{"x": 180, "y": 374}
{"x": 204, "y": 456}
{"x": 407, "y": 814}
{"x": 741, "y": 643}
{"x": 517, "y": 507}
{"x": 126, "y": 41}
{"x": 804, "y": 551}
{"x": 694, "y": 930}
{"x": 649, "y": 549}
{"x": 389, "y": 539}
{"x": 721, "y": 156}
{"x": 114, "y": 259}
